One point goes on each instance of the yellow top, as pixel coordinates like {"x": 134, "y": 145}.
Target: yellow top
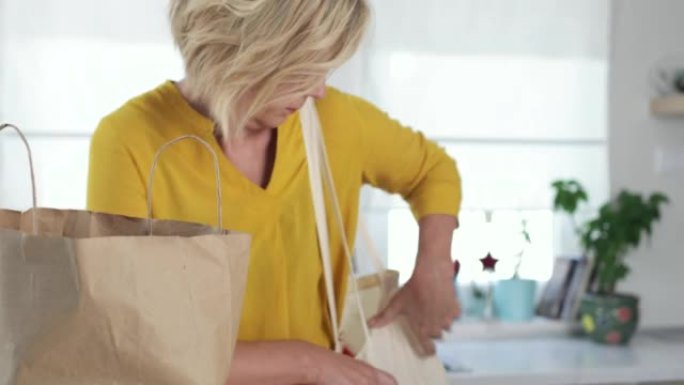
{"x": 285, "y": 296}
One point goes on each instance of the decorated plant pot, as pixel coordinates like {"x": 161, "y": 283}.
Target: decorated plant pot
{"x": 610, "y": 319}
{"x": 514, "y": 300}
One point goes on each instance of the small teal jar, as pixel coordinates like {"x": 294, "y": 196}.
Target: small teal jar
{"x": 514, "y": 300}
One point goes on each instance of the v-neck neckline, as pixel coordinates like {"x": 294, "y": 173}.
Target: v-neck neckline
{"x": 200, "y": 122}
{"x": 272, "y": 172}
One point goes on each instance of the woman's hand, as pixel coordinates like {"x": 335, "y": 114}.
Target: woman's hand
{"x": 428, "y": 301}
{"x": 297, "y": 363}
{"x": 330, "y": 368}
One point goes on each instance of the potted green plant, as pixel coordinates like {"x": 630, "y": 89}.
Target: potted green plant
{"x": 619, "y": 227}
{"x": 474, "y": 299}
{"x": 514, "y": 297}
{"x": 474, "y": 302}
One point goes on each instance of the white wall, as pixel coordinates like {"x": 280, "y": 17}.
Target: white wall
{"x": 644, "y": 32}
{"x": 3, "y": 36}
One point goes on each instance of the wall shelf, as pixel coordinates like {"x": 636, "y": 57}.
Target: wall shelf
{"x": 668, "y": 106}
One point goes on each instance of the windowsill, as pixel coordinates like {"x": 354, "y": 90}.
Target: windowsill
{"x": 494, "y": 329}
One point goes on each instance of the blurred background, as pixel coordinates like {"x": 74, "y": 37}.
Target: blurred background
{"x": 520, "y": 93}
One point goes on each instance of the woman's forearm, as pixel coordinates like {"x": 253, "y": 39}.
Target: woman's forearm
{"x": 436, "y": 234}
{"x": 273, "y": 363}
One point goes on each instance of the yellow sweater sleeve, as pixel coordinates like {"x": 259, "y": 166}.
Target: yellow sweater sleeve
{"x": 400, "y": 160}
{"x": 115, "y": 184}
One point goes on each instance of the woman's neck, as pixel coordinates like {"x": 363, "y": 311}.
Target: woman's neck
{"x": 203, "y": 109}
{"x": 198, "y": 105}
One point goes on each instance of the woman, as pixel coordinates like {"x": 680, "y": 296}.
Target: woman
{"x": 250, "y": 65}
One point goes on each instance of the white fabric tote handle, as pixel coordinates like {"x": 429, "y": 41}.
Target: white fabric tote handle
{"x": 319, "y": 168}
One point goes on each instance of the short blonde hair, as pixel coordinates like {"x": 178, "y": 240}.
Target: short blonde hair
{"x": 232, "y": 47}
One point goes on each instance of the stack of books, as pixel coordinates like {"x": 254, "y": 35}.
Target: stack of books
{"x": 560, "y": 298}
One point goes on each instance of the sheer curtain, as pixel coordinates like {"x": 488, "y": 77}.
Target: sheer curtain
{"x": 515, "y": 90}
{"x": 516, "y": 93}
{"x": 64, "y": 64}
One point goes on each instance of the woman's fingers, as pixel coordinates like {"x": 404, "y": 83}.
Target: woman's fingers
{"x": 385, "y": 378}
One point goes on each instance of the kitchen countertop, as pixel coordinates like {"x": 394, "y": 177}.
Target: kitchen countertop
{"x": 652, "y": 356}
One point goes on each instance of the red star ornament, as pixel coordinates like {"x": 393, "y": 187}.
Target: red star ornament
{"x": 489, "y": 263}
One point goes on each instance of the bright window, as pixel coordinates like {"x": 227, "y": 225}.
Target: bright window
{"x": 517, "y": 93}
{"x": 63, "y": 66}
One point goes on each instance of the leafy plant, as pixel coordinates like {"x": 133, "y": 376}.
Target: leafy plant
{"x": 528, "y": 241}
{"x": 619, "y": 227}
{"x": 569, "y": 194}
{"x": 478, "y": 292}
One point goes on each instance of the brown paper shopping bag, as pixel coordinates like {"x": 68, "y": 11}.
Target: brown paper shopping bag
{"x": 90, "y": 299}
